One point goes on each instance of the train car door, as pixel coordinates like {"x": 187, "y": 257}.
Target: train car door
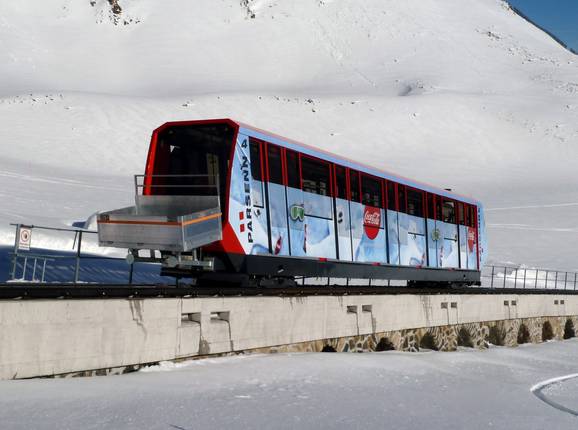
{"x": 318, "y": 228}
{"x": 372, "y": 246}
{"x": 259, "y": 224}
{"x": 342, "y": 214}
{"x": 355, "y": 213}
{"x": 276, "y": 202}
{"x": 412, "y": 223}
{"x": 462, "y": 235}
{"x": 392, "y": 223}
{"x": 471, "y": 219}
{"x": 295, "y": 205}
{"x": 448, "y": 249}
{"x": 433, "y": 234}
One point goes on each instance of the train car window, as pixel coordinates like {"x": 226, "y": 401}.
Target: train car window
{"x": 461, "y": 214}
{"x": 202, "y": 150}
{"x": 430, "y": 206}
{"x": 438, "y": 205}
{"x": 354, "y": 185}
{"x": 415, "y": 202}
{"x": 340, "y": 183}
{"x": 401, "y": 198}
{"x": 293, "y": 171}
{"x": 472, "y": 216}
{"x": 391, "y": 197}
{"x": 449, "y": 211}
{"x": 274, "y": 160}
{"x": 255, "y": 160}
{"x": 315, "y": 176}
{"x": 370, "y": 191}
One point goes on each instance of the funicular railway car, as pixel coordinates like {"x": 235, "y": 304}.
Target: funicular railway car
{"x": 290, "y": 211}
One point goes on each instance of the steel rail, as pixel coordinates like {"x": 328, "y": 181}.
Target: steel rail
{"x": 100, "y": 291}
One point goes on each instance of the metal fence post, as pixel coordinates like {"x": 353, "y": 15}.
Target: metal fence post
{"x": 130, "y": 273}
{"x": 515, "y": 278}
{"x": 546, "y": 281}
{"x": 34, "y": 269}
{"x": 536, "y": 283}
{"x": 15, "y": 260}
{"x": 24, "y": 268}
{"x": 524, "y": 278}
{"x": 43, "y": 270}
{"x": 556, "y": 281}
{"x": 565, "y": 279}
{"x": 77, "y": 268}
{"x": 14, "y": 264}
{"x": 505, "y": 268}
{"x": 492, "y": 280}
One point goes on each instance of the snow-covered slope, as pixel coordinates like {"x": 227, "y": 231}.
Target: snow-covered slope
{"x": 461, "y": 93}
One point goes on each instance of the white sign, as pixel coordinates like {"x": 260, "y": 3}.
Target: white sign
{"x": 24, "y": 238}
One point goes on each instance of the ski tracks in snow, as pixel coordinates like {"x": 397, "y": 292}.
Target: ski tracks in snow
{"x": 56, "y": 180}
{"x": 537, "y": 390}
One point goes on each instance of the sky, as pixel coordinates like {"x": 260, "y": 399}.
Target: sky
{"x": 560, "y": 17}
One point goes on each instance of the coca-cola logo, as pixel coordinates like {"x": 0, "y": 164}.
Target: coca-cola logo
{"x": 371, "y": 221}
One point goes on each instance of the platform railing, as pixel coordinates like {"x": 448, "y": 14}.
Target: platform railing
{"x": 29, "y": 265}
{"x": 506, "y": 276}
{"x": 175, "y": 184}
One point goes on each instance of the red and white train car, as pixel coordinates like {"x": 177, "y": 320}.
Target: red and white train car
{"x": 290, "y": 210}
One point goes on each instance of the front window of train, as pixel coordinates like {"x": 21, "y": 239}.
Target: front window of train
{"x": 194, "y": 158}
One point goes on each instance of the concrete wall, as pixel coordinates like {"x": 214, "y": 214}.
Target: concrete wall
{"x": 50, "y": 337}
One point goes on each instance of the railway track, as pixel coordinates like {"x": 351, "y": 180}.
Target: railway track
{"x": 25, "y": 291}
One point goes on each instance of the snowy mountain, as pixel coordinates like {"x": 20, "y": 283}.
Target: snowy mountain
{"x": 464, "y": 94}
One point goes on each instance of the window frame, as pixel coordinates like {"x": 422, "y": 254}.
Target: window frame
{"x": 345, "y": 184}
{"x": 401, "y": 188}
{"x": 322, "y": 161}
{"x": 260, "y": 145}
{"x": 430, "y": 209}
{"x": 298, "y": 173}
{"x": 350, "y": 194}
{"x": 438, "y": 207}
{"x": 395, "y": 202}
{"x": 449, "y": 200}
{"x": 270, "y": 145}
{"x": 423, "y": 201}
{"x": 461, "y": 214}
{"x": 378, "y": 180}
{"x": 474, "y": 216}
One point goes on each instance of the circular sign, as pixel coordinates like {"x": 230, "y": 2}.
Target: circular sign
{"x": 24, "y": 238}
{"x": 371, "y": 221}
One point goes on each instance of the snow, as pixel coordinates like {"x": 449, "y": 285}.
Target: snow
{"x": 461, "y": 93}
{"x": 434, "y": 390}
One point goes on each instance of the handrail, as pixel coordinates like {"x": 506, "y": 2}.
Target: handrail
{"x": 22, "y": 256}
{"x": 504, "y": 276}
{"x": 74, "y": 230}
{"x": 144, "y": 184}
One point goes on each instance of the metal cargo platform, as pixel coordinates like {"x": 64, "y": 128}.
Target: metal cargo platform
{"x": 176, "y": 223}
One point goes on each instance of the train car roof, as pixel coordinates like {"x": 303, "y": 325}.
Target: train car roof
{"x": 325, "y": 155}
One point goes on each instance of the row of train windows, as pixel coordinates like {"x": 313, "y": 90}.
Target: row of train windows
{"x": 314, "y": 176}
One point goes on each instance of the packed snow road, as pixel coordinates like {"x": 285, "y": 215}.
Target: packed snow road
{"x": 467, "y": 389}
